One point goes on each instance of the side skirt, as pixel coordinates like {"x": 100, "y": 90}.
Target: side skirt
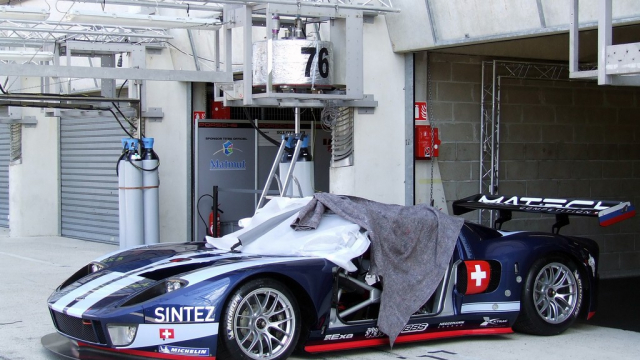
{"x": 405, "y": 339}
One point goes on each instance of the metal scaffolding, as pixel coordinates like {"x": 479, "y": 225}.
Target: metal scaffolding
{"x": 492, "y": 74}
{"x": 46, "y": 42}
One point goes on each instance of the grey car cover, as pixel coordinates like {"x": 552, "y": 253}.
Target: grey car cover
{"x": 411, "y": 247}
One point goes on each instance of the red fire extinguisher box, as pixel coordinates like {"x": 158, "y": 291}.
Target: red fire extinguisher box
{"x": 423, "y": 142}
{"x": 219, "y": 111}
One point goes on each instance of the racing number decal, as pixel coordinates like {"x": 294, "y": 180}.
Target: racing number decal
{"x": 478, "y": 276}
{"x": 323, "y": 61}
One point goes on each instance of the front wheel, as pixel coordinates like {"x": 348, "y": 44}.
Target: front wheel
{"x": 551, "y": 298}
{"x": 261, "y": 321}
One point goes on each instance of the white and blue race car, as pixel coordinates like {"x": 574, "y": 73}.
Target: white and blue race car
{"x": 215, "y": 299}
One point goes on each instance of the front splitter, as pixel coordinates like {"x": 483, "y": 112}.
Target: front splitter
{"x": 65, "y": 348}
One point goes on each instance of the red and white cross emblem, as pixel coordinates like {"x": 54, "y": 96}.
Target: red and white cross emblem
{"x": 166, "y": 334}
{"x": 478, "y": 274}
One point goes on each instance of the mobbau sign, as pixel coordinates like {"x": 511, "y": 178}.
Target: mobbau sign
{"x": 568, "y": 206}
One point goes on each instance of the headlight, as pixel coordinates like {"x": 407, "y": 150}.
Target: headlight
{"x": 96, "y": 266}
{"x": 173, "y": 284}
{"x": 159, "y": 289}
{"x": 122, "y": 335}
{"x": 88, "y": 269}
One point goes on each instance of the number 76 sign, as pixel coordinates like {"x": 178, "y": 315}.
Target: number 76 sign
{"x": 294, "y": 63}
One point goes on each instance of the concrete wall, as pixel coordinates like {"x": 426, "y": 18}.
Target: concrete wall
{"x": 455, "y": 111}
{"x": 379, "y": 140}
{"x": 428, "y": 181}
{"x": 173, "y": 146}
{"x": 425, "y": 25}
{"x": 576, "y": 139}
{"x": 558, "y": 138}
{"x": 34, "y": 183}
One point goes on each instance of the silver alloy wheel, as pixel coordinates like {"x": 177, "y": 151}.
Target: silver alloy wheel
{"x": 555, "y": 293}
{"x": 265, "y": 323}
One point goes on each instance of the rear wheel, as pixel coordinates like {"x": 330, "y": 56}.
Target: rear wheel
{"x": 261, "y": 321}
{"x": 551, "y": 298}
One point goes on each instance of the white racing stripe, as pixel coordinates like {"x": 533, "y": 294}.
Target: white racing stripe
{"x": 146, "y": 247}
{"x": 91, "y": 285}
{"x": 490, "y": 307}
{"x": 176, "y": 256}
{"x": 200, "y": 276}
{"x": 83, "y": 305}
{"x": 168, "y": 264}
{"x": 507, "y": 233}
{"x": 95, "y": 284}
{"x": 92, "y": 292}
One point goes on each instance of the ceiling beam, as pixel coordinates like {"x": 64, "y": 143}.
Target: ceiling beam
{"x": 113, "y": 73}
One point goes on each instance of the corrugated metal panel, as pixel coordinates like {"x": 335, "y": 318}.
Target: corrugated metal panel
{"x": 90, "y": 145}
{"x": 5, "y": 149}
{"x": 340, "y": 121}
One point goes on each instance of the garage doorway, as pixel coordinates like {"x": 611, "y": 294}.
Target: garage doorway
{"x": 5, "y": 151}
{"x": 90, "y": 145}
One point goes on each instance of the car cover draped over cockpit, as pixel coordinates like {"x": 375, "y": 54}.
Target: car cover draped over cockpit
{"x": 269, "y": 232}
{"x": 411, "y": 248}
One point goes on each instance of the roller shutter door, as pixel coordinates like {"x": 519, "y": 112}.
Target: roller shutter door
{"x": 5, "y": 150}
{"x": 90, "y": 145}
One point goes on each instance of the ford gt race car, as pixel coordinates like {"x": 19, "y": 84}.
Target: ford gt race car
{"x": 270, "y": 289}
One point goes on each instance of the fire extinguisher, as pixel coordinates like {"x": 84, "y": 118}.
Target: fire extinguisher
{"x": 217, "y": 222}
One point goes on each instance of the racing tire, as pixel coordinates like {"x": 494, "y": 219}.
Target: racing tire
{"x": 261, "y": 320}
{"x": 551, "y": 298}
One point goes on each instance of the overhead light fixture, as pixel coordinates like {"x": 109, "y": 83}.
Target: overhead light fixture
{"x": 141, "y": 20}
{"x": 162, "y": 4}
{"x": 8, "y": 12}
{"x": 23, "y": 56}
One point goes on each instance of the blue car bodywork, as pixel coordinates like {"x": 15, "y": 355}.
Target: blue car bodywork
{"x": 129, "y": 295}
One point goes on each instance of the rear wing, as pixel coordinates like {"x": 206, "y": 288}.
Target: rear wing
{"x": 608, "y": 212}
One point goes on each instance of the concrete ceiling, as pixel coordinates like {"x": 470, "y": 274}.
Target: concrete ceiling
{"x": 550, "y": 48}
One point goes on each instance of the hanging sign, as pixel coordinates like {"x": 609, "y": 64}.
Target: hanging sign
{"x": 199, "y": 115}
{"x": 294, "y": 63}
{"x": 420, "y": 111}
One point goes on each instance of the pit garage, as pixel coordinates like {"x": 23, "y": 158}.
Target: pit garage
{"x": 89, "y": 148}
{"x": 539, "y": 102}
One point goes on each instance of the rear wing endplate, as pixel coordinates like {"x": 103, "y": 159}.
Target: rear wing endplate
{"x": 608, "y": 212}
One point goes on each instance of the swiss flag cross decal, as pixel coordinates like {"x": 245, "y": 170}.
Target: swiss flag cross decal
{"x": 478, "y": 276}
{"x": 166, "y": 334}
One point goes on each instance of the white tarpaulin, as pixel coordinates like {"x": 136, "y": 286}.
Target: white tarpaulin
{"x": 269, "y": 232}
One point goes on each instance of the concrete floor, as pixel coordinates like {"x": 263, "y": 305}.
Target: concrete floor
{"x": 31, "y": 268}
{"x": 618, "y": 305}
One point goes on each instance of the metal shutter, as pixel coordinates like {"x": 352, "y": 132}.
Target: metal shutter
{"x": 5, "y": 149}
{"x": 90, "y": 145}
